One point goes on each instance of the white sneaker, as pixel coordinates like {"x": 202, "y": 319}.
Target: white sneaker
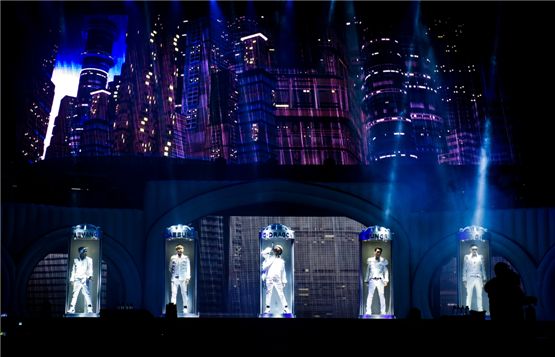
{"x": 286, "y": 310}
{"x": 71, "y": 310}
{"x": 267, "y": 311}
{"x": 185, "y": 310}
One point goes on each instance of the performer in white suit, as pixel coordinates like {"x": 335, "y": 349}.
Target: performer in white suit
{"x": 180, "y": 270}
{"x": 474, "y": 277}
{"x": 81, "y": 275}
{"x": 273, "y": 273}
{"x": 377, "y": 277}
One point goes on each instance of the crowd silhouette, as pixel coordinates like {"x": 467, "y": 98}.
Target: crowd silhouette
{"x": 506, "y": 297}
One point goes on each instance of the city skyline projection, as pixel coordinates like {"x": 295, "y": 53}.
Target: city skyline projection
{"x": 360, "y": 82}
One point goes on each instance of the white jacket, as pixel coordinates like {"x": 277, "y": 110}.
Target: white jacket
{"x": 180, "y": 267}
{"x": 82, "y": 269}
{"x": 473, "y": 267}
{"x": 377, "y": 269}
{"x": 275, "y": 267}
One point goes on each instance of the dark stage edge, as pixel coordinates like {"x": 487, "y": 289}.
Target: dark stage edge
{"x": 139, "y": 334}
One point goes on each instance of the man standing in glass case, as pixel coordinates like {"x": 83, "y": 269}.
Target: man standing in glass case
{"x": 273, "y": 273}
{"x": 81, "y": 275}
{"x": 474, "y": 277}
{"x": 180, "y": 270}
{"x": 377, "y": 277}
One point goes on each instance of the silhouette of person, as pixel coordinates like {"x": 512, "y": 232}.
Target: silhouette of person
{"x": 180, "y": 271}
{"x": 273, "y": 273}
{"x": 506, "y": 297}
{"x": 474, "y": 277}
{"x": 414, "y": 314}
{"x": 377, "y": 277}
{"x": 81, "y": 275}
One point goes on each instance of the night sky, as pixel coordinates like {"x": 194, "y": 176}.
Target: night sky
{"x": 512, "y": 40}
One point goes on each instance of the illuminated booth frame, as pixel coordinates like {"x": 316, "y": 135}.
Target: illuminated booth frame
{"x": 376, "y": 273}
{"x": 181, "y": 247}
{"x": 84, "y": 272}
{"x": 277, "y": 271}
{"x": 473, "y": 267}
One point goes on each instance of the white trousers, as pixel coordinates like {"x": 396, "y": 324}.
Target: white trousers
{"x": 374, "y": 284}
{"x": 81, "y": 285}
{"x": 270, "y": 285}
{"x": 179, "y": 283}
{"x": 471, "y": 283}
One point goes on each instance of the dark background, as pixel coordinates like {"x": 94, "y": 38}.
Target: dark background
{"x": 511, "y": 40}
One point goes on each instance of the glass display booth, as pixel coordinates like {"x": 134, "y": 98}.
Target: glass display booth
{"x": 181, "y": 252}
{"x": 277, "y": 285}
{"x": 84, "y": 267}
{"x": 376, "y": 274}
{"x": 473, "y": 267}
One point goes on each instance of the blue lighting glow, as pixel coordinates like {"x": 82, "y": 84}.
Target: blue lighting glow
{"x": 482, "y": 177}
{"x": 68, "y": 66}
